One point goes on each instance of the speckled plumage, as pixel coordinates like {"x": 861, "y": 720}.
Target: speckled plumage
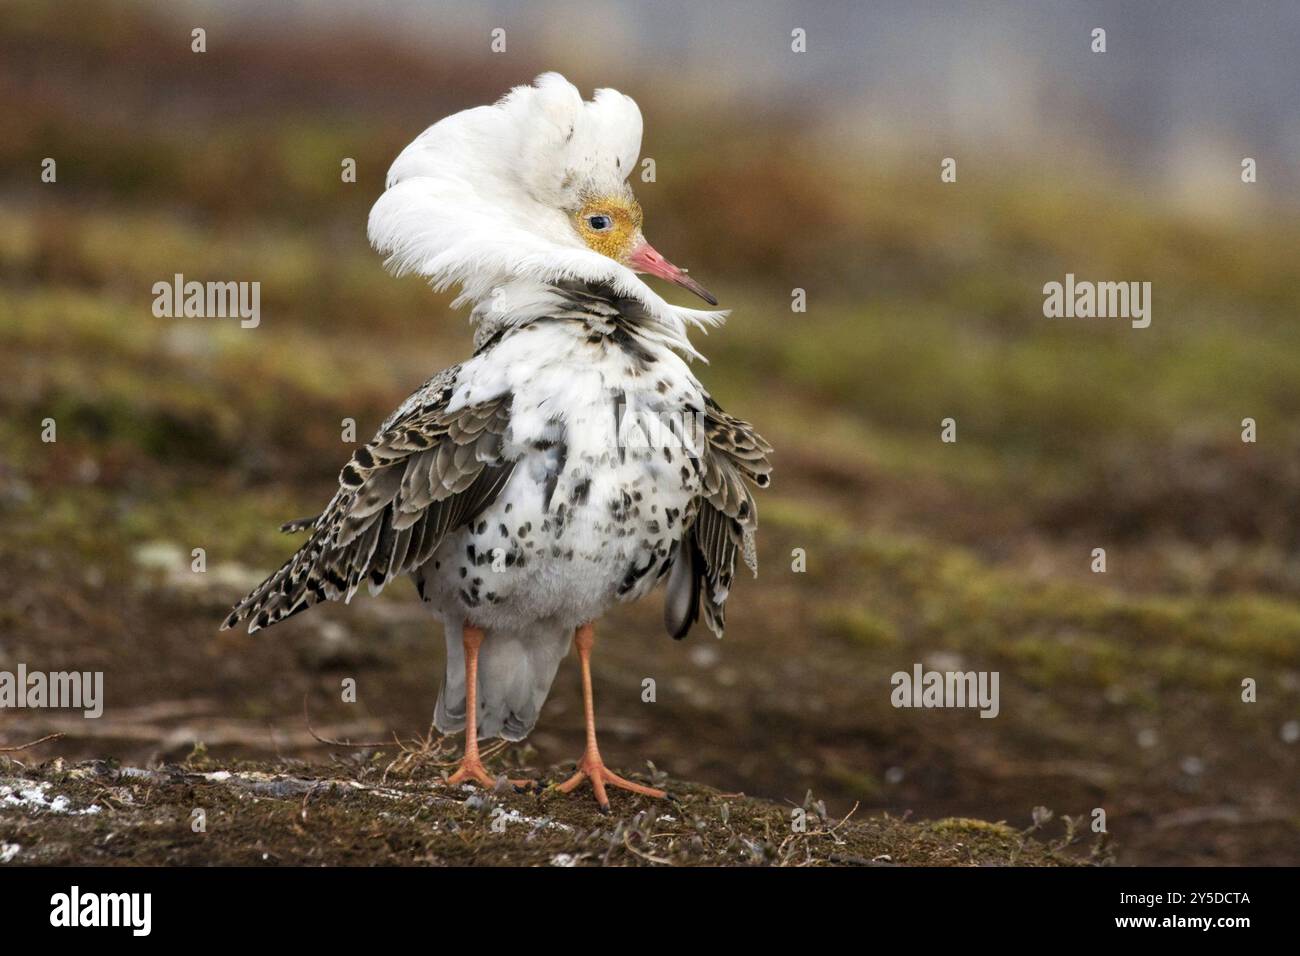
{"x": 573, "y": 462}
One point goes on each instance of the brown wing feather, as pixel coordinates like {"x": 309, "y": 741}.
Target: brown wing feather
{"x": 426, "y": 473}
{"x": 724, "y": 523}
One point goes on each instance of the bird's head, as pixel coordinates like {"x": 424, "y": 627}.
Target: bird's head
{"x": 611, "y": 225}
{"x": 532, "y": 189}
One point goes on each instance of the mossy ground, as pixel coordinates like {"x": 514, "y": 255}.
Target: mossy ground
{"x": 352, "y": 813}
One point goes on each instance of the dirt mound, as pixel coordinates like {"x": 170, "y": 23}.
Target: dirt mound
{"x": 99, "y": 814}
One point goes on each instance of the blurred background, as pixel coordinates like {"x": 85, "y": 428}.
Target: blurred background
{"x": 775, "y": 171}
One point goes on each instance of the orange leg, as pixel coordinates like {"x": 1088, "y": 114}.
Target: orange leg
{"x": 471, "y": 766}
{"x": 591, "y": 767}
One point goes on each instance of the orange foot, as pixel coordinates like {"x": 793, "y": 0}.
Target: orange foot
{"x": 592, "y": 768}
{"x": 471, "y": 768}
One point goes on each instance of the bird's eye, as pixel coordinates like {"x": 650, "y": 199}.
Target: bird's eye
{"x": 599, "y": 222}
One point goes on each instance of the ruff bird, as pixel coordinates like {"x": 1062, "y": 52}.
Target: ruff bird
{"x": 574, "y": 461}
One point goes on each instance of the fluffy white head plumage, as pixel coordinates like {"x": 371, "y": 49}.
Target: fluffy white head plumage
{"x": 485, "y": 199}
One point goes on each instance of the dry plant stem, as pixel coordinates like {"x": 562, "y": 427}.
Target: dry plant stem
{"x": 31, "y": 743}
{"x": 370, "y": 744}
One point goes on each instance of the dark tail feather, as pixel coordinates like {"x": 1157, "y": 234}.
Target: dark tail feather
{"x": 682, "y": 597}
{"x": 298, "y": 524}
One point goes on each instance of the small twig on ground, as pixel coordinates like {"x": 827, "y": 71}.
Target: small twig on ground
{"x": 333, "y": 743}
{"x": 45, "y": 739}
{"x": 418, "y": 751}
{"x": 832, "y": 830}
{"x": 105, "y": 797}
{"x": 645, "y": 856}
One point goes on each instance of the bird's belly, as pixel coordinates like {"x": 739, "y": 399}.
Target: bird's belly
{"x": 562, "y": 544}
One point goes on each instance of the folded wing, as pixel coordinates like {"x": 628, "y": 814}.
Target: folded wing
{"x": 723, "y": 526}
{"x": 427, "y": 472}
